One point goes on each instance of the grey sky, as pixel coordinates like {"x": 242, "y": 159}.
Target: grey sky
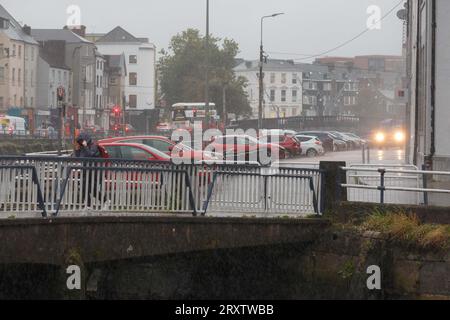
{"x": 308, "y": 26}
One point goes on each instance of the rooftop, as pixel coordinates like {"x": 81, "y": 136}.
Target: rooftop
{"x": 15, "y": 30}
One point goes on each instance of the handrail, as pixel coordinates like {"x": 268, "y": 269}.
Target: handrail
{"x": 265, "y": 176}
{"x": 119, "y": 169}
{"x": 35, "y": 179}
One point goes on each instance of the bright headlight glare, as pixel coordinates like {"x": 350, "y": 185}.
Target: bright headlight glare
{"x": 380, "y": 137}
{"x": 399, "y": 136}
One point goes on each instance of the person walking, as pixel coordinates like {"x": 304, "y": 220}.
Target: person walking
{"x": 85, "y": 148}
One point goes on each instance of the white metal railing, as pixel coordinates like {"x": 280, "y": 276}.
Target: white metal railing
{"x": 367, "y": 175}
{"x": 141, "y": 186}
{"x": 20, "y": 191}
{"x": 390, "y": 184}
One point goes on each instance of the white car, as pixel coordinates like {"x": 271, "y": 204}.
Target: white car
{"x": 311, "y": 146}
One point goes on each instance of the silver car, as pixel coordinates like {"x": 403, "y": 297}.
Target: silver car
{"x": 311, "y": 146}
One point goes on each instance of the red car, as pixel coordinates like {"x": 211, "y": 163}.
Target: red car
{"x": 167, "y": 146}
{"x": 246, "y": 145}
{"x": 133, "y": 151}
{"x": 290, "y": 143}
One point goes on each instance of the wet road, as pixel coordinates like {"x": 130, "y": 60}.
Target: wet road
{"x": 377, "y": 156}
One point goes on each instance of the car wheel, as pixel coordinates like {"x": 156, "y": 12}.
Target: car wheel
{"x": 312, "y": 153}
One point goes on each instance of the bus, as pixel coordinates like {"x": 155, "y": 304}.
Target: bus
{"x": 188, "y": 116}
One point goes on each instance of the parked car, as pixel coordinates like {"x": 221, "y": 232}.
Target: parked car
{"x": 352, "y": 142}
{"x": 311, "y": 146}
{"x": 246, "y": 146}
{"x": 349, "y": 144}
{"x": 289, "y": 142}
{"x": 356, "y": 137}
{"x": 168, "y": 147}
{"x": 329, "y": 143}
{"x": 134, "y": 151}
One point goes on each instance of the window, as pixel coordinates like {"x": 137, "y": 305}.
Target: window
{"x": 327, "y": 86}
{"x": 132, "y": 153}
{"x": 32, "y": 53}
{"x": 20, "y": 51}
{"x": 272, "y": 95}
{"x": 13, "y": 78}
{"x": 133, "y": 101}
{"x": 160, "y": 145}
{"x": 283, "y": 95}
{"x": 133, "y": 59}
{"x": 133, "y": 78}
{"x": 1, "y": 102}
{"x": 2, "y": 51}
{"x": 272, "y": 78}
{"x": 283, "y": 78}
{"x": 349, "y": 100}
{"x": 114, "y": 152}
{"x": 31, "y": 102}
{"x": 294, "y": 95}
{"x": 14, "y": 50}
{"x": 19, "y": 76}
{"x": 294, "y": 78}
{"x": 2, "y": 73}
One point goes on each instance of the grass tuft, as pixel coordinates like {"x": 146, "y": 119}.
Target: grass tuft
{"x": 407, "y": 229}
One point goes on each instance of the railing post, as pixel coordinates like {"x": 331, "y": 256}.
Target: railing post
{"x": 425, "y": 185}
{"x": 364, "y": 153}
{"x": 382, "y": 187}
{"x": 368, "y": 153}
{"x": 334, "y": 178}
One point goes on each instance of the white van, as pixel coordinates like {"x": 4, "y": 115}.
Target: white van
{"x": 12, "y": 125}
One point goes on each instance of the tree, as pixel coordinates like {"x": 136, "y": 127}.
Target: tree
{"x": 182, "y": 72}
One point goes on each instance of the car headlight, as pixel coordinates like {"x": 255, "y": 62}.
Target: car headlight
{"x": 380, "y": 137}
{"x": 399, "y": 136}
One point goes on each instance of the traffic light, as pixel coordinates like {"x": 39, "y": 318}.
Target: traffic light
{"x": 116, "y": 111}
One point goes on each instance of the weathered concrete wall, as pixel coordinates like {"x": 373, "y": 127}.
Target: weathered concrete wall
{"x": 335, "y": 267}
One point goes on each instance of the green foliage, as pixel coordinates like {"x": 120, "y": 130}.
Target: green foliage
{"x": 182, "y": 72}
{"x": 407, "y": 229}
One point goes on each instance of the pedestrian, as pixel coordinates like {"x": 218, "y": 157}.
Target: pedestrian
{"x": 91, "y": 179}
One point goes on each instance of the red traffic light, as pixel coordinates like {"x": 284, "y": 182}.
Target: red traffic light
{"x": 116, "y": 110}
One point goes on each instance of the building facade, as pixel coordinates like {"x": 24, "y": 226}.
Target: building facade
{"x": 18, "y": 69}
{"x": 80, "y": 56}
{"x": 140, "y": 57}
{"x": 428, "y": 56}
{"x": 52, "y": 74}
{"x": 282, "y": 87}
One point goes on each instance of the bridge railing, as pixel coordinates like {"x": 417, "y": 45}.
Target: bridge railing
{"x": 390, "y": 184}
{"x": 20, "y": 190}
{"x": 144, "y": 186}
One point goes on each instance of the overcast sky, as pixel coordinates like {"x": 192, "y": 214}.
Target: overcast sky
{"x": 308, "y": 26}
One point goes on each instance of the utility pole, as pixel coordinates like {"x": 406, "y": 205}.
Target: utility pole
{"x": 261, "y": 73}
{"x": 207, "y": 57}
{"x": 224, "y": 102}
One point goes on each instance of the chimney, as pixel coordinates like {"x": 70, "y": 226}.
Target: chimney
{"x": 79, "y": 30}
{"x": 27, "y": 30}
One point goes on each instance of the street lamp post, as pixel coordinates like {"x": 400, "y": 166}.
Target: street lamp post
{"x": 207, "y": 57}
{"x": 261, "y": 72}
